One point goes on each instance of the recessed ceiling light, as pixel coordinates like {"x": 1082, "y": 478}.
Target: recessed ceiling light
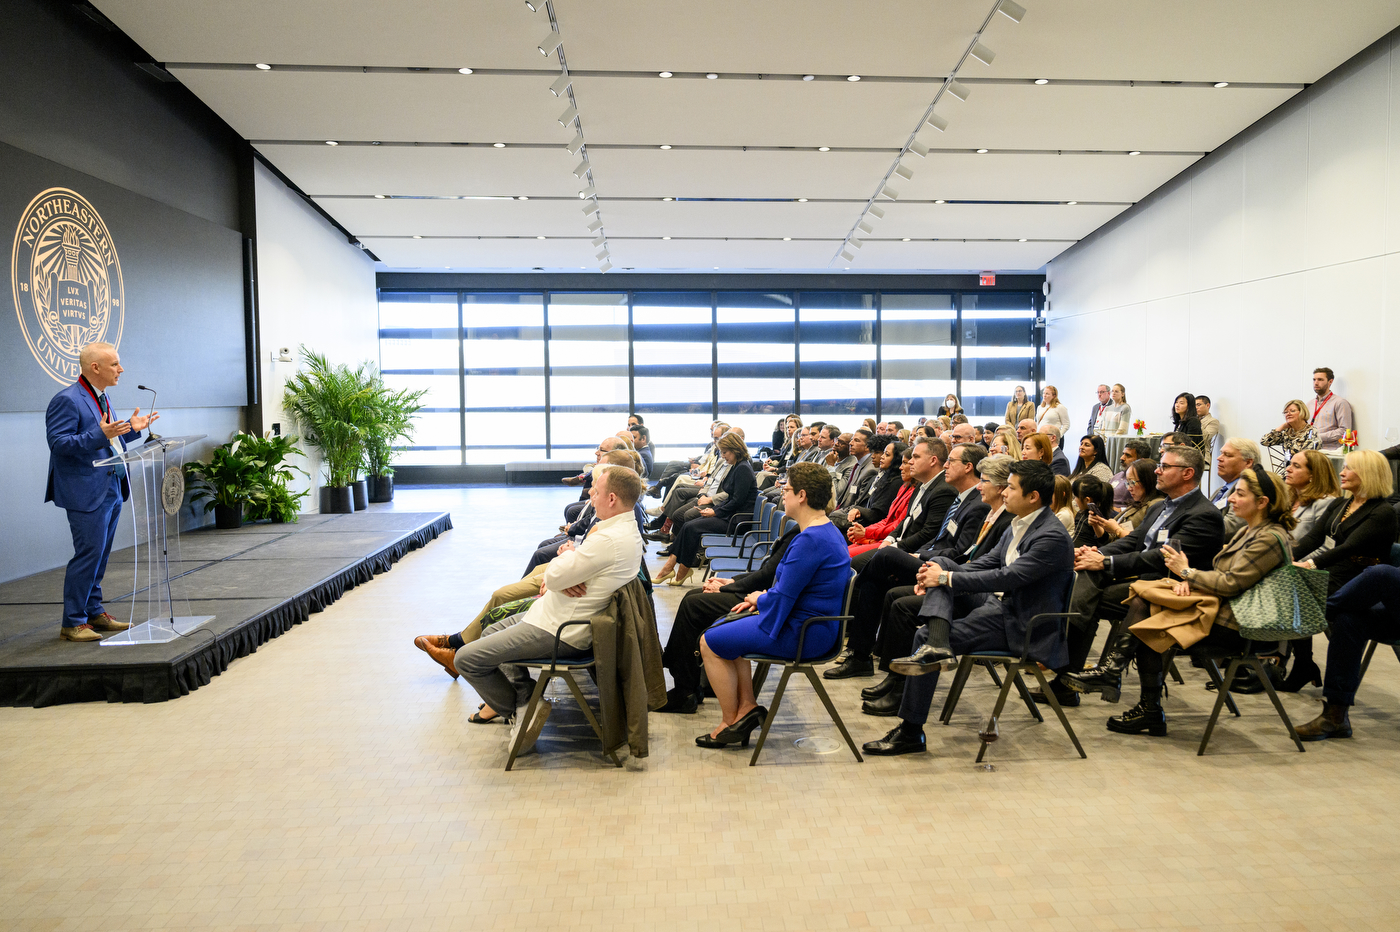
{"x": 801, "y": 200}
{"x": 416, "y": 236}
{"x": 380, "y": 196}
{"x": 550, "y": 43}
{"x": 664, "y": 74}
{"x": 263, "y": 66}
{"x": 1217, "y": 83}
{"x": 668, "y": 198}
{"x": 853, "y": 77}
{"x": 523, "y": 197}
{"x": 716, "y": 268}
{"x": 665, "y": 237}
{"x": 533, "y": 5}
{"x": 823, "y": 148}
{"x": 1136, "y": 152}
{"x": 332, "y": 142}
{"x": 905, "y": 240}
{"x": 787, "y": 239}
{"x": 1042, "y": 80}
{"x": 712, "y": 76}
{"x": 1022, "y": 240}
{"x": 464, "y": 71}
{"x": 499, "y": 145}
{"x": 539, "y": 237}
{"x": 981, "y": 151}
{"x": 809, "y": 77}
{"x": 940, "y": 201}
{"x": 665, "y": 147}
{"x": 1071, "y": 203}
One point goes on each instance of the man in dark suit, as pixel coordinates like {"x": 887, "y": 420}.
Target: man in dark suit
{"x": 988, "y": 603}
{"x": 853, "y": 484}
{"x": 1059, "y": 463}
{"x": 1105, "y": 399}
{"x": 979, "y": 527}
{"x": 81, "y": 428}
{"x": 1186, "y": 516}
{"x": 894, "y": 562}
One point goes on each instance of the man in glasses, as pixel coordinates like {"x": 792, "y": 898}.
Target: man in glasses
{"x": 1185, "y": 517}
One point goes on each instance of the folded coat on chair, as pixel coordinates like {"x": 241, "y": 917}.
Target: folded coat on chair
{"x": 630, "y": 678}
{"x": 1177, "y": 621}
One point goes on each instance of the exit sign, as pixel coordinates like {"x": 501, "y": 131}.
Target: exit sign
{"x": 987, "y": 278}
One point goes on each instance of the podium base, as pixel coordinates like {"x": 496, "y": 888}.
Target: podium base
{"x": 156, "y": 631}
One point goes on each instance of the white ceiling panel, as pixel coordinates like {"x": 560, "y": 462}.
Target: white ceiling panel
{"x": 521, "y": 254}
{"x": 712, "y": 218}
{"x": 993, "y": 221}
{"x": 957, "y": 257}
{"x": 1185, "y": 40}
{"x": 426, "y": 170}
{"x": 1018, "y": 177}
{"x": 737, "y": 173}
{"x": 1024, "y": 116}
{"x": 653, "y": 111}
{"x": 421, "y": 33}
{"x": 368, "y": 217}
{"x": 909, "y": 37}
{"x": 708, "y": 255}
{"x": 405, "y": 107}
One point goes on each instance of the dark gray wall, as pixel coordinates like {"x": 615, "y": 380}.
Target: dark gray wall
{"x": 173, "y": 184}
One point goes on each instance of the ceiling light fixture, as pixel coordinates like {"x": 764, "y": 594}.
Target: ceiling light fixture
{"x": 668, "y": 198}
{"x": 823, "y": 148}
{"x": 498, "y": 145}
{"x": 937, "y": 122}
{"x": 848, "y": 255}
{"x": 539, "y": 237}
{"x": 1217, "y": 83}
{"x": 982, "y": 151}
{"x": 712, "y": 76}
{"x": 853, "y": 77}
{"x": 568, "y": 116}
{"x": 575, "y": 144}
{"x": 877, "y": 212}
{"x": 982, "y": 53}
{"x": 590, "y": 208}
{"x": 595, "y": 226}
{"x": 588, "y": 192}
{"x": 1136, "y": 152}
{"x": 1011, "y": 10}
{"x": 801, "y": 200}
{"x": 416, "y": 236}
{"x": 380, "y": 197}
{"x": 1042, "y": 81}
{"x": 903, "y": 171}
{"x": 332, "y": 142}
{"x": 855, "y": 243}
{"x": 905, "y": 240}
{"x": 464, "y": 71}
{"x": 605, "y": 266}
{"x": 865, "y": 226}
{"x": 597, "y": 242}
{"x": 940, "y": 201}
{"x": 959, "y": 90}
{"x": 664, "y": 74}
{"x": 787, "y": 239}
{"x": 665, "y": 237}
{"x": 918, "y": 148}
{"x": 581, "y": 169}
{"x": 665, "y": 147}
{"x": 533, "y": 5}
{"x": 1021, "y": 240}
{"x": 561, "y": 86}
{"x": 809, "y": 77}
{"x": 1071, "y": 203}
{"x": 889, "y": 192}
{"x": 550, "y": 43}
{"x": 263, "y": 66}
{"x": 601, "y": 255}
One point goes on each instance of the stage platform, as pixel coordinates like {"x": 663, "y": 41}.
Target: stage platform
{"x": 258, "y": 581}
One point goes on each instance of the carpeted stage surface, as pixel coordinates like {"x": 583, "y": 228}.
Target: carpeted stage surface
{"x": 258, "y": 581}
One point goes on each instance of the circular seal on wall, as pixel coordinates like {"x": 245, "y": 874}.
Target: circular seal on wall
{"x": 172, "y": 490}
{"x": 67, "y": 281}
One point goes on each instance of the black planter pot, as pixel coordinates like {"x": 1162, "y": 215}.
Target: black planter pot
{"x": 361, "y": 490}
{"x": 228, "y": 517}
{"x": 381, "y": 488}
{"x": 337, "y": 500}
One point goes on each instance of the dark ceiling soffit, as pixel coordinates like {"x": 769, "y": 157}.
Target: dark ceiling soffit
{"x": 350, "y": 237}
{"x": 646, "y": 281}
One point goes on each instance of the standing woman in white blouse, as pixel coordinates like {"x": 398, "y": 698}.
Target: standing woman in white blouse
{"x": 1117, "y": 416}
{"x": 1052, "y": 412}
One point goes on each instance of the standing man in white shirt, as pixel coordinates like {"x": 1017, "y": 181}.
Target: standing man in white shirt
{"x": 1331, "y": 413}
{"x": 577, "y": 585}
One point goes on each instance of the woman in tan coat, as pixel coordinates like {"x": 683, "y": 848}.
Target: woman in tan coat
{"x": 1019, "y": 408}
{"x": 1263, "y": 544}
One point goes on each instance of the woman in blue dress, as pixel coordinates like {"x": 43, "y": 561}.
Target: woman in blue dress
{"x": 810, "y": 581}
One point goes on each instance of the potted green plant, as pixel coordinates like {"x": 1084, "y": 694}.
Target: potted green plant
{"x": 331, "y": 405}
{"x": 226, "y": 484}
{"x": 272, "y": 456}
{"x": 392, "y": 421}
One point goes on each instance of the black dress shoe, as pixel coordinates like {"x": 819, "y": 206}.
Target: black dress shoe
{"x": 1067, "y": 698}
{"x": 881, "y": 688}
{"x": 738, "y": 733}
{"x": 887, "y": 705}
{"x": 927, "y": 659}
{"x": 851, "y": 666}
{"x": 898, "y": 741}
{"x": 1139, "y": 719}
{"x": 680, "y": 702}
{"x": 659, "y": 536}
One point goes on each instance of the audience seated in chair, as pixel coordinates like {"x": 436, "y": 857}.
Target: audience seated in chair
{"x": 809, "y": 581}
{"x": 1093, "y": 460}
{"x": 1141, "y": 481}
{"x": 986, "y": 604}
{"x": 884, "y": 488}
{"x": 739, "y": 489}
{"x": 1295, "y": 433}
{"x": 1236, "y": 456}
{"x": 1313, "y": 486}
{"x": 1133, "y": 450}
{"x": 1093, "y": 498}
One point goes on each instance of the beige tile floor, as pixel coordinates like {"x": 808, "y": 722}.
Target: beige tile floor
{"x": 330, "y": 781}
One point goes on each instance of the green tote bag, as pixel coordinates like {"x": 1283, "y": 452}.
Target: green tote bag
{"x": 1288, "y": 604}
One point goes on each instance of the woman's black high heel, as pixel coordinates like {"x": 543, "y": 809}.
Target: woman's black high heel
{"x": 1304, "y": 673}
{"x": 738, "y": 733}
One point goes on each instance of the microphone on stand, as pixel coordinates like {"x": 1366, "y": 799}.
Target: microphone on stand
{"x": 151, "y": 435}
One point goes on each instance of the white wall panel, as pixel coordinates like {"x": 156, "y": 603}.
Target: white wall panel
{"x": 1217, "y": 196}
{"x": 1392, "y": 214}
{"x": 1275, "y": 208}
{"x": 1167, "y": 242}
{"x": 1342, "y": 328}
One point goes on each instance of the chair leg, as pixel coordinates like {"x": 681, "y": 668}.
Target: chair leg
{"x": 992, "y": 669}
{"x": 760, "y": 676}
{"x": 1054, "y": 704}
{"x": 1026, "y": 695}
{"x": 540, "y": 683}
{"x": 1001, "y": 704}
{"x": 772, "y": 713}
{"x": 1258, "y": 666}
{"x": 955, "y": 689}
{"x": 592, "y": 721}
{"x": 831, "y": 710}
{"x": 1366, "y": 660}
{"x": 1223, "y": 691}
{"x": 1213, "y": 671}
{"x": 1175, "y": 673}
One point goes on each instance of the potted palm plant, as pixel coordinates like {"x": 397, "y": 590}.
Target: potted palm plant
{"x": 272, "y": 456}
{"x": 331, "y": 405}
{"x": 392, "y": 422}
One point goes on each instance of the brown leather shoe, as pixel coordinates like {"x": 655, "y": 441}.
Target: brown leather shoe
{"x": 80, "y": 633}
{"x": 435, "y": 646}
{"x": 105, "y": 622}
{"x": 1332, "y": 723}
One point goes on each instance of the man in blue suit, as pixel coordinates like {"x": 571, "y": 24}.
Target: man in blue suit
{"x": 987, "y": 604}
{"x": 81, "y": 428}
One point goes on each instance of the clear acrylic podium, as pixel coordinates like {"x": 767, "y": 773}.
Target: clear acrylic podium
{"x": 160, "y": 607}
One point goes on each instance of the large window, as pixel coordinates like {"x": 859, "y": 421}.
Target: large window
{"x": 535, "y": 375}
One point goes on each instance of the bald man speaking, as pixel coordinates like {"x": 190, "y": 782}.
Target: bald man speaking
{"x": 81, "y": 428}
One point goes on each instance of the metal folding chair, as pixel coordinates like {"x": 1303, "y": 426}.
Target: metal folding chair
{"x": 1251, "y": 660}
{"x": 563, "y": 668}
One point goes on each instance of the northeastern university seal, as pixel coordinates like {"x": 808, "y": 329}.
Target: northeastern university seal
{"x": 67, "y": 281}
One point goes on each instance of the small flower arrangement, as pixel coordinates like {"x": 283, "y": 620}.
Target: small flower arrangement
{"x": 1349, "y": 440}
{"x": 1139, "y": 425}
